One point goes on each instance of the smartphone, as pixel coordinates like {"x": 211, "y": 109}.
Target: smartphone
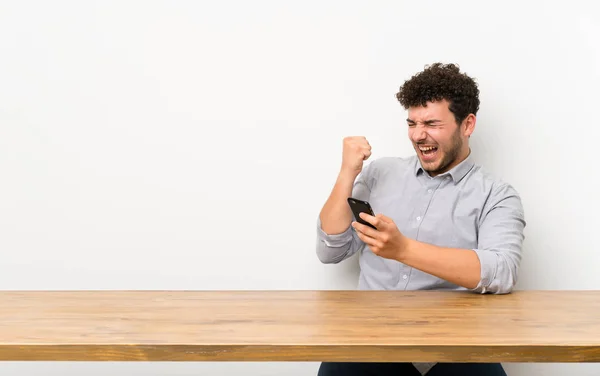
{"x": 360, "y": 206}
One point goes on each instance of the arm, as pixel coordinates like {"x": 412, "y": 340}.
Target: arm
{"x": 490, "y": 268}
{"x": 335, "y": 239}
{"x": 459, "y": 266}
{"x": 500, "y": 242}
{"x": 336, "y": 216}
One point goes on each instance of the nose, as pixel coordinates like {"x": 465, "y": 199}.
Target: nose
{"x": 418, "y": 133}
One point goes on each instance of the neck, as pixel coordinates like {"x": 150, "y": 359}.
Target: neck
{"x": 462, "y": 156}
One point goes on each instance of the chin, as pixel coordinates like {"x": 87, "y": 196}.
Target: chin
{"x": 434, "y": 167}
{"x": 431, "y": 165}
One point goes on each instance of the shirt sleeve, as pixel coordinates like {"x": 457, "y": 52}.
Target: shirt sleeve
{"x": 500, "y": 241}
{"x": 334, "y": 248}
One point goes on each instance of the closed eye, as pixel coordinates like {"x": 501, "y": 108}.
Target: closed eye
{"x": 428, "y": 123}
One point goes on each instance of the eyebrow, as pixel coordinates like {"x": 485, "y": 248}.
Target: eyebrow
{"x": 427, "y": 122}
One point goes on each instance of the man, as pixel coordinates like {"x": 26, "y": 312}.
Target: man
{"x": 442, "y": 221}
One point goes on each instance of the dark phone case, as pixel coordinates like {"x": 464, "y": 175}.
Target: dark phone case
{"x": 360, "y": 206}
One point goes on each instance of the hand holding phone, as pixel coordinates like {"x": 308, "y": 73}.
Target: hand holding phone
{"x": 360, "y": 206}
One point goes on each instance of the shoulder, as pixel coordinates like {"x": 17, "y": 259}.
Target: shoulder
{"x": 384, "y": 171}
{"x": 492, "y": 182}
{"x": 386, "y": 165}
{"x": 496, "y": 190}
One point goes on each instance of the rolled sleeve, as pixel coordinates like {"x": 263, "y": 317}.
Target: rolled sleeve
{"x": 334, "y": 240}
{"x": 500, "y": 242}
{"x": 334, "y": 248}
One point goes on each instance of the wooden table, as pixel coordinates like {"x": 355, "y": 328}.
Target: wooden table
{"x": 525, "y": 326}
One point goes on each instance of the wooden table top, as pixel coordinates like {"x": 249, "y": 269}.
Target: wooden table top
{"x": 525, "y": 326}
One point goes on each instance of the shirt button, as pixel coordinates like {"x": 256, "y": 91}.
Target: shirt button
{"x": 429, "y": 191}
{"x": 418, "y": 218}
{"x": 404, "y": 276}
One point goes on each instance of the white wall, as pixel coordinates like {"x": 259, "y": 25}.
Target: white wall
{"x": 190, "y": 145}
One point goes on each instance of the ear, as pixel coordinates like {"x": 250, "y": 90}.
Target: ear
{"x": 469, "y": 124}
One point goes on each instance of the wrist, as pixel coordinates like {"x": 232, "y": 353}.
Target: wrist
{"x": 406, "y": 249}
{"x": 346, "y": 176}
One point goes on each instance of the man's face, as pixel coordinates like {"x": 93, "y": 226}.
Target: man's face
{"x": 440, "y": 143}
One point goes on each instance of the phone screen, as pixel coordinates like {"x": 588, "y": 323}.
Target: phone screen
{"x": 360, "y": 206}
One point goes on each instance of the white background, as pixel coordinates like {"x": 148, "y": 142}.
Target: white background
{"x": 191, "y": 145}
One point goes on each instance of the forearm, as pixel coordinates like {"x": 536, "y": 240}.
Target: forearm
{"x": 336, "y": 215}
{"x": 459, "y": 266}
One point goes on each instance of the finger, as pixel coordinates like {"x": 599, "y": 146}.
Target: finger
{"x": 385, "y": 219}
{"x": 375, "y": 221}
{"x": 366, "y": 154}
{"x": 366, "y": 230}
{"x": 374, "y": 244}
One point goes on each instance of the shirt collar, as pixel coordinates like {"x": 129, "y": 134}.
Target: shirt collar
{"x": 457, "y": 172}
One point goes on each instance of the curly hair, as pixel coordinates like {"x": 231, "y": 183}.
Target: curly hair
{"x": 438, "y": 82}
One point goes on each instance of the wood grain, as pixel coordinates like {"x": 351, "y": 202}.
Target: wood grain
{"x": 418, "y": 326}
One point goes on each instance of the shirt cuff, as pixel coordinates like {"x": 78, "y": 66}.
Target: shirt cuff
{"x": 334, "y": 240}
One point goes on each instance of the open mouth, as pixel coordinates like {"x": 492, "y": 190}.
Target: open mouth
{"x": 428, "y": 152}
